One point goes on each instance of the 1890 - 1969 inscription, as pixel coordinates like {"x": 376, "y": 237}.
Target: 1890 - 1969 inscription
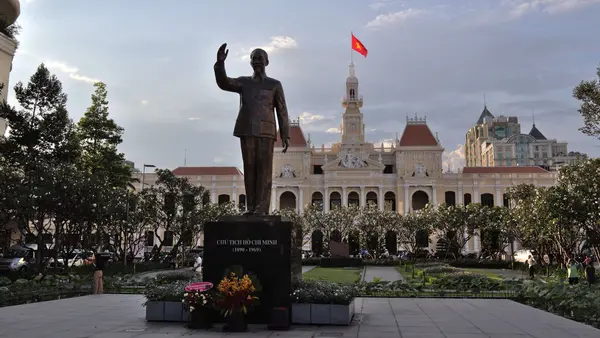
{"x": 246, "y": 245}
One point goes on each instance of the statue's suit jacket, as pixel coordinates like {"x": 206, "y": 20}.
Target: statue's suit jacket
{"x": 258, "y": 99}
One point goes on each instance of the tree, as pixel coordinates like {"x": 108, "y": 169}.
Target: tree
{"x": 40, "y": 145}
{"x": 588, "y": 92}
{"x": 409, "y": 229}
{"x": 100, "y": 159}
{"x": 580, "y": 184}
{"x": 458, "y": 224}
{"x": 532, "y": 227}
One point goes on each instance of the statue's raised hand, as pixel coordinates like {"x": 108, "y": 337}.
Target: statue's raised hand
{"x": 222, "y": 52}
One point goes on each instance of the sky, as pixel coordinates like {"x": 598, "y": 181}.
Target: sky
{"x": 425, "y": 56}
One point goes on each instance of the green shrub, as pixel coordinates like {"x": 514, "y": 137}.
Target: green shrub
{"x": 463, "y": 281}
{"x": 429, "y": 265}
{"x": 438, "y": 270}
{"x": 322, "y": 292}
{"x": 577, "y": 302}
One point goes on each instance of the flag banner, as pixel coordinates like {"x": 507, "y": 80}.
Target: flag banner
{"x": 358, "y": 46}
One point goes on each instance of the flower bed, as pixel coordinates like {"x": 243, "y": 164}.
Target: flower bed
{"x": 23, "y": 291}
{"x": 323, "y": 303}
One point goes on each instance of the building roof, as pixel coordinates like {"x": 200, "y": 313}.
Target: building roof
{"x": 484, "y": 114}
{"x": 536, "y": 133}
{"x": 297, "y": 138}
{"x": 207, "y": 171}
{"x": 505, "y": 170}
{"x": 417, "y": 135}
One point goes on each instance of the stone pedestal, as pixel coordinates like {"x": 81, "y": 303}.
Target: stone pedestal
{"x": 259, "y": 246}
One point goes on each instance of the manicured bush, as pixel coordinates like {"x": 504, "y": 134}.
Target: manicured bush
{"x": 430, "y": 264}
{"x": 438, "y": 270}
{"x": 115, "y": 269}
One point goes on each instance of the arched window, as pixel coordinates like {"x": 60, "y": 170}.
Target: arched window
{"x": 335, "y": 200}
{"x": 450, "y": 197}
{"x": 467, "y": 199}
{"x": 352, "y": 93}
{"x": 487, "y": 200}
{"x": 317, "y": 200}
{"x": 224, "y": 199}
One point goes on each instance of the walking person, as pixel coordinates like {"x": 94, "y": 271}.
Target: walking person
{"x": 573, "y": 272}
{"x": 590, "y": 273}
{"x": 198, "y": 266}
{"x": 99, "y": 264}
{"x": 531, "y": 263}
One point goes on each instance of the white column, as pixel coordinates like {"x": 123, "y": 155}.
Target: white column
{"x": 273, "y": 199}
{"x": 380, "y": 200}
{"x": 434, "y": 197}
{"x": 499, "y": 201}
{"x": 406, "y": 199}
{"x": 234, "y": 195}
{"x": 475, "y": 198}
{"x": 467, "y": 248}
{"x": 460, "y": 196}
{"x": 300, "y": 201}
{"x": 344, "y": 197}
{"x": 362, "y": 196}
{"x": 326, "y": 200}
{"x": 476, "y": 242}
{"x": 213, "y": 197}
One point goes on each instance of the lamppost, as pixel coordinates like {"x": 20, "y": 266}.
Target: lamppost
{"x": 144, "y": 172}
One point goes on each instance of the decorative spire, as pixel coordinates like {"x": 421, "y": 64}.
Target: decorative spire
{"x": 351, "y": 72}
{"x": 533, "y": 116}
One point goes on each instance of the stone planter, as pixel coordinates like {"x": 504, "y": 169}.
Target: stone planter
{"x": 319, "y": 313}
{"x": 166, "y": 312}
{"x": 155, "y": 311}
{"x": 173, "y": 311}
{"x": 341, "y": 314}
{"x": 301, "y": 313}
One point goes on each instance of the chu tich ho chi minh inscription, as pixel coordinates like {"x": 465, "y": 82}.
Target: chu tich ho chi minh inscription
{"x": 247, "y": 245}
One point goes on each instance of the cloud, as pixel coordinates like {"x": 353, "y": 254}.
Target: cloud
{"x": 334, "y": 130}
{"x": 519, "y": 8}
{"x": 384, "y": 20}
{"x": 276, "y": 44}
{"x": 379, "y": 4}
{"x": 144, "y": 102}
{"x": 387, "y": 143}
{"x": 454, "y": 160}
{"x": 73, "y": 72}
{"x": 308, "y": 118}
{"x": 194, "y": 118}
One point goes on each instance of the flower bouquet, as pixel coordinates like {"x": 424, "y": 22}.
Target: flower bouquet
{"x": 234, "y": 299}
{"x": 199, "y": 301}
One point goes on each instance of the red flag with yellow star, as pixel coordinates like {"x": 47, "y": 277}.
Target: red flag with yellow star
{"x": 358, "y": 46}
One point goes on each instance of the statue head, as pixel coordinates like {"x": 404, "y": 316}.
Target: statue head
{"x": 259, "y": 60}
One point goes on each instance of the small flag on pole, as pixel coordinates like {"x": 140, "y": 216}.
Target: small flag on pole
{"x": 358, "y": 46}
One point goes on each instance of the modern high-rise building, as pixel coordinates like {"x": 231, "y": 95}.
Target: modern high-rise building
{"x": 499, "y": 142}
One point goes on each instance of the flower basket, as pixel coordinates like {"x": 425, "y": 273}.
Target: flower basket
{"x": 198, "y": 300}
{"x": 235, "y": 298}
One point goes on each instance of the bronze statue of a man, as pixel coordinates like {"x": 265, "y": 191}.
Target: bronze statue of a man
{"x": 255, "y": 125}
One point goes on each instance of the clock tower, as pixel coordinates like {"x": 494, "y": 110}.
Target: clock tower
{"x": 353, "y": 128}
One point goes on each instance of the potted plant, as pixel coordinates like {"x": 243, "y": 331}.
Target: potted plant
{"x": 234, "y": 299}
{"x": 199, "y": 305}
{"x": 163, "y": 302}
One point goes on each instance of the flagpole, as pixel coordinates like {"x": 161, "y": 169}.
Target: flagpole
{"x": 351, "y": 54}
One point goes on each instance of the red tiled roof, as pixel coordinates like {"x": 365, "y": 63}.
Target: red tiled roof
{"x": 207, "y": 171}
{"x": 504, "y": 170}
{"x": 297, "y": 138}
{"x": 417, "y": 135}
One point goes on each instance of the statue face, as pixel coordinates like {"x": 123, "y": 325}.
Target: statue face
{"x": 259, "y": 60}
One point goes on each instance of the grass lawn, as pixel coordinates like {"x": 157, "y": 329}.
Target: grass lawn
{"x": 336, "y": 275}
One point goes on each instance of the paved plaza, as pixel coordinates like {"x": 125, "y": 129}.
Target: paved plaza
{"x": 122, "y": 316}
